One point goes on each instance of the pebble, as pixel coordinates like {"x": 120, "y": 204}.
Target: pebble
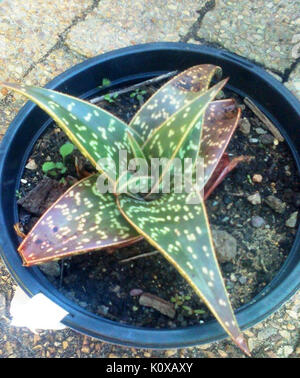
{"x": 52, "y": 268}
{"x": 104, "y": 309}
{"x": 170, "y": 352}
{"x": 266, "y": 139}
{"x": 225, "y": 244}
{"x": 292, "y": 221}
{"x": 86, "y": 349}
{"x": 287, "y": 350}
{"x": 31, "y": 165}
{"x": 243, "y": 280}
{"x": 135, "y": 292}
{"x": 257, "y": 221}
{"x": 252, "y": 344}
{"x": 255, "y": 199}
{"x": 244, "y": 126}
{"x": 266, "y": 333}
{"x": 260, "y": 131}
{"x": 257, "y": 178}
{"x": 276, "y": 204}
{"x": 253, "y": 140}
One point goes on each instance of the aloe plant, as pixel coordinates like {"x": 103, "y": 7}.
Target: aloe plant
{"x": 180, "y": 120}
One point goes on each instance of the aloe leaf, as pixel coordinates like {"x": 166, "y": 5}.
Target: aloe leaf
{"x": 96, "y": 133}
{"x": 81, "y": 220}
{"x": 171, "y": 139}
{"x": 182, "y": 234}
{"x": 176, "y": 93}
{"x": 135, "y": 147}
{"x": 224, "y": 167}
{"x": 220, "y": 121}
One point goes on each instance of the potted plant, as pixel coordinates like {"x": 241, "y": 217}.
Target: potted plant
{"x": 136, "y": 60}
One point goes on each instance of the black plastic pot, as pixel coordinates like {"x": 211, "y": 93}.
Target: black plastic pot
{"x": 127, "y": 66}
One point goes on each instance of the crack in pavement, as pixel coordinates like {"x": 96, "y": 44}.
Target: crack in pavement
{"x": 219, "y": 46}
{"x": 62, "y": 37}
{"x": 192, "y": 34}
{"x": 208, "y": 6}
{"x": 288, "y": 71}
{"x": 59, "y": 44}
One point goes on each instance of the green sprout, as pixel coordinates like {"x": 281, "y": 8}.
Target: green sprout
{"x": 180, "y": 301}
{"x": 138, "y": 94}
{"x": 55, "y": 168}
{"x": 110, "y": 97}
{"x": 105, "y": 83}
{"x": 249, "y": 179}
{"x": 18, "y": 194}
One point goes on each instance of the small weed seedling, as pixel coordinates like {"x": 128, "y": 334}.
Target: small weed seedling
{"x": 53, "y": 169}
{"x": 110, "y": 97}
{"x": 138, "y": 94}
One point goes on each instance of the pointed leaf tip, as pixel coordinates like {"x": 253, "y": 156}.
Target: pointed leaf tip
{"x": 241, "y": 342}
{"x": 183, "y": 88}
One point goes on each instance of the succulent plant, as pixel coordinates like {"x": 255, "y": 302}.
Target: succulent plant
{"x": 180, "y": 120}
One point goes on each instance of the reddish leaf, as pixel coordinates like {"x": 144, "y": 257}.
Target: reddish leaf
{"x": 224, "y": 167}
{"x": 81, "y": 220}
{"x": 221, "y": 119}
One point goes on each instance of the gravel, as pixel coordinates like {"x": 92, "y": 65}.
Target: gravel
{"x": 257, "y": 221}
{"x": 225, "y": 244}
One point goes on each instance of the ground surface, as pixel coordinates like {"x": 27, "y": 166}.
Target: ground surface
{"x": 40, "y": 39}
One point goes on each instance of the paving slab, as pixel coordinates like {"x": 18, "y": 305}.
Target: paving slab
{"x": 260, "y": 30}
{"x": 56, "y": 62}
{"x": 115, "y": 24}
{"x": 294, "y": 81}
{"x": 29, "y": 29}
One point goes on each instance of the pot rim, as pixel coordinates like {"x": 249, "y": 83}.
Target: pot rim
{"x": 32, "y": 281}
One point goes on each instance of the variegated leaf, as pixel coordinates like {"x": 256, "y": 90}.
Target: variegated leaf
{"x": 135, "y": 147}
{"x": 97, "y": 133}
{"x": 81, "y": 220}
{"x": 182, "y": 234}
{"x": 220, "y": 121}
{"x": 172, "y": 96}
{"x": 172, "y": 138}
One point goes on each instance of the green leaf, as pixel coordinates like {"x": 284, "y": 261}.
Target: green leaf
{"x": 59, "y": 165}
{"x": 66, "y": 149}
{"x": 172, "y": 96}
{"x": 135, "y": 147}
{"x": 48, "y": 166}
{"x": 108, "y": 98}
{"x": 182, "y": 234}
{"x": 199, "y": 312}
{"x": 105, "y": 82}
{"x": 172, "y": 138}
{"x": 81, "y": 220}
{"x": 96, "y": 133}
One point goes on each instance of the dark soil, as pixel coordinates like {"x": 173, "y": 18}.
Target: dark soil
{"x": 101, "y": 283}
